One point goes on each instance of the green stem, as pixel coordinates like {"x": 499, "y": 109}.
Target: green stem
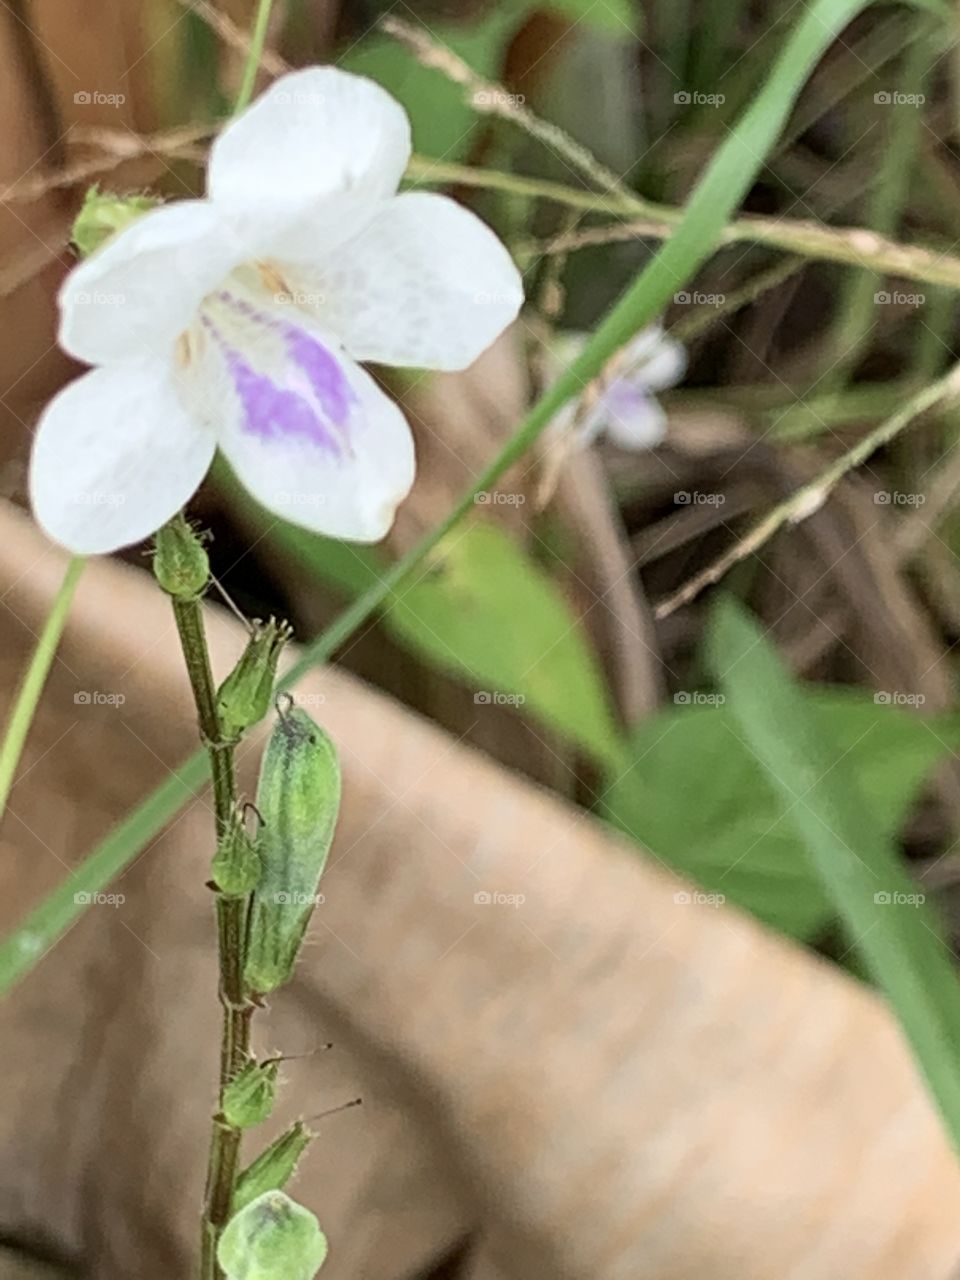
{"x": 35, "y": 677}
{"x": 254, "y": 54}
{"x": 224, "y": 1158}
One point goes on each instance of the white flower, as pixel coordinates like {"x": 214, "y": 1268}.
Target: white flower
{"x": 626, "y": 410}
{"x": 238, "y": 320}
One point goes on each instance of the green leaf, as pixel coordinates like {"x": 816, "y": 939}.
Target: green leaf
{"x": 617, "y": 17}
{"x": 698, "y": 798}
{"x": 884, "y": 915}
{"x": 443, "y": 123}
{"x": 487, "y": 612}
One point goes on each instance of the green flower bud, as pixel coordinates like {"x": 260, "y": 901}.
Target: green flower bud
{"x": 104, "y": 214}
{"x": 180, "y": 563}
{"x": 236, "y": 864}
{"x": 248, "y": 1098}
{"x": 274, "y": 1238}
{"x": 298, "y": 798}
{"x": 273, "y": 1167}
{"x": 244, "y": 697}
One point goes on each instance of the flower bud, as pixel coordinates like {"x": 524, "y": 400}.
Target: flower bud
{"x": 298, "y": 797}
{"x": 274, "y": 1238}
{"x": 244, "y": 697}
{"x": 180, "y": 563}
{"x": 274, "y": 1167}
{"x": 236, "y": 864}
{"x": 103, "y": 214}
{"x": 248, "y": 1098}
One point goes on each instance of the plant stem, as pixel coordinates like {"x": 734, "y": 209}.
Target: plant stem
{"x": 225, "y": 1140}
{"x": 35, "y": 677}
{"x": 254, "y": 54}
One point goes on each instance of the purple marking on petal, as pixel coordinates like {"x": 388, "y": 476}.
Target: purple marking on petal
{"x": 315, "y": 397}
{"x": 623, "y": 395}
{"x": 273, "y": 412}
{"x": 323, "y": 373}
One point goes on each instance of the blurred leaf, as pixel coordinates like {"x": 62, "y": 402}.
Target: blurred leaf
{"x": 442, "y": 122}
{"x": 619, "y": 17}
{"x": 698, "y": 798}
{"x": 885, "y": 915}
{"x": 485, "y": 611}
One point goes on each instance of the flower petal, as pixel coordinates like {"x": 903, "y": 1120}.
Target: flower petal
{"x": 655, "y": 360}
{"x": 307, "y": 431}
{"x": 424, "y": 283}
{"x": 628, "y": 415}
{"x": 313, "y": 135}
{"x": 114, "y": 456}
{"x": 136, "y": 294}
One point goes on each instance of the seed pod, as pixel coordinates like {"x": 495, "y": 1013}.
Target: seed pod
{"x": 248, "y": 1097}
{"x": 244, "y": 697}
{"x": 274, "y": 1238}
{"x": 298, "y": 798}
{"x": 180, "y": 563}
{"x": 274, "y": 1167}
{"x": 236, "y": 864}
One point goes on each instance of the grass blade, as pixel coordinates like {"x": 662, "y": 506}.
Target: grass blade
{"x": 884, "y": 914}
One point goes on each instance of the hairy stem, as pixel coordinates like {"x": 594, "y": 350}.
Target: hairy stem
{"x": 223, "y": 1164}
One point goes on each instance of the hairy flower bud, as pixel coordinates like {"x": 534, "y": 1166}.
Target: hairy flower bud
{"x": 244, "y": 697}
{"x": 273, "y": 1238}
{"x": 180, "y": 564}
{"x": 248, "y": 1098}
{"x": 274, "y": 1167}
{"x": 103, "y": 214}
{"x": 236, "y": 864}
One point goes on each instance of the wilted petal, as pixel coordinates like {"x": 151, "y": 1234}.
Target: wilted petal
{"x": 307, "y": 431}
{"x": 136, "y": 294}
{"x": 114, "y": 456}
{"x": 425, "y": 283}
